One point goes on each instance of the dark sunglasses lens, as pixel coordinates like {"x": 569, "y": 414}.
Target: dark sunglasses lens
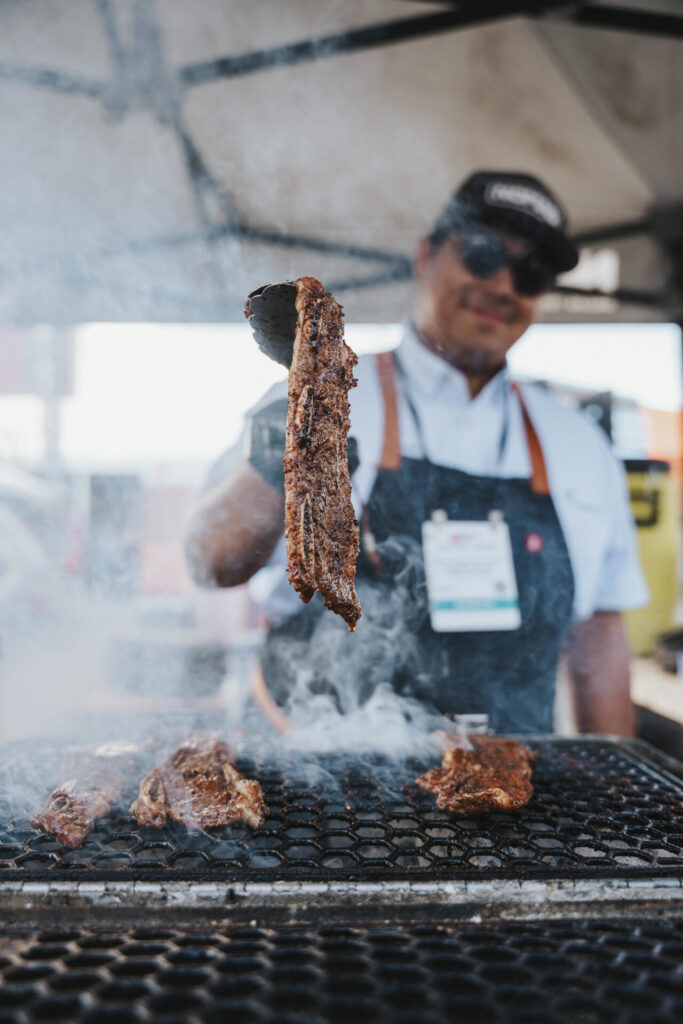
{"x": 482, "y": 254}
{"x": 531, "y": 277}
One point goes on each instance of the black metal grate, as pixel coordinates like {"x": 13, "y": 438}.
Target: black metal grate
{"x": 593, "y": 972}
{"x": 599, "y": 809}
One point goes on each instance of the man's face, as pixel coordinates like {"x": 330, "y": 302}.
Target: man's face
{"x": 471, "y": 321}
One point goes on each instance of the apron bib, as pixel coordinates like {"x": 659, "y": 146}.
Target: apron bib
{"x": 508, "y": 674}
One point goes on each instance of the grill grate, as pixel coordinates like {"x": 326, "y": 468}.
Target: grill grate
{"x": 599, "y": 809}
{"x": 597, "y": 972}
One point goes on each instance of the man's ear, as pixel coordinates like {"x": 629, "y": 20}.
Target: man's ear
{"x": 422, "y": 259}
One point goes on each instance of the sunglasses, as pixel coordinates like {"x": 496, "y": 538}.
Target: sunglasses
{"x": 484, "y": 254}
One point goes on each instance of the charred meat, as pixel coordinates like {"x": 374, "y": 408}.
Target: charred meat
{"x": 95, "y": 782}
{"x": 494, "y": 776}
{"x": 198, "y": 786}
{"x": 320, "y": 529}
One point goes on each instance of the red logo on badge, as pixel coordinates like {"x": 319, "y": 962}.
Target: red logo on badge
{"x": 533, "y": 542}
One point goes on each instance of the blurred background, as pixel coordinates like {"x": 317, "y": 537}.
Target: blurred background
{"x": 158, "y": 163}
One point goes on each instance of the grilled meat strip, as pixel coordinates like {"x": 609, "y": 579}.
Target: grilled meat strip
{"x": 320, "y": 529}
{"x": 198, "y": 786}
{"x": 494, "y": 776}
{"x": 96, "y": 781}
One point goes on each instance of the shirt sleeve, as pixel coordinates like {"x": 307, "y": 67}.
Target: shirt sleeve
{"x": 622, "y": 583}
{"x": 264, "y": 439}
{"x": 262, "y": 443}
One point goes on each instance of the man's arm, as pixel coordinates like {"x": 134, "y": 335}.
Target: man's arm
{"x": 233, "y": 528}
{"x": 598, "y": 662}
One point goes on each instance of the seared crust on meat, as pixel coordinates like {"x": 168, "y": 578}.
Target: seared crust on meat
{"x": 96, "y": 781}
{"x": 71, "y": 812}
{"x": 320, "y": 529}
{"x": 494, "y": 776}
{"x": 198, "y": 786}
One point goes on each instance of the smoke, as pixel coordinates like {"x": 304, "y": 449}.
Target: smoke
{"x": 52, "y": 659}
{"x": 66, "y": 668}
{"x": 386, "y": 724}
{"x": 65, "y": 682}
{"x": 341, "y": 685}
{"x": 55, "y": 662}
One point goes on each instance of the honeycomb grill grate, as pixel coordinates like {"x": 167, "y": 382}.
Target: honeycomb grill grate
{"x": 595, "y": 972}
{"x": 597, "y": 810}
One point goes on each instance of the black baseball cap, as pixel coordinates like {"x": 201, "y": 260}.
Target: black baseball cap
{"x": 518, "y": 203}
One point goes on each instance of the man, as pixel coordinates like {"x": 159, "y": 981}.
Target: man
{"x": 495, "y": 528}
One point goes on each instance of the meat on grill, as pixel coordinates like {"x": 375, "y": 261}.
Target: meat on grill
{"x": 494, "y": 776}
{"x": 198, "y": 786}
{"x": 320, "y": 529}
{"x": 95, "y": 782}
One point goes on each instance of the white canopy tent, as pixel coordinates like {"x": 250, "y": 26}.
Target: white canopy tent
{"x": 159, "y": 160}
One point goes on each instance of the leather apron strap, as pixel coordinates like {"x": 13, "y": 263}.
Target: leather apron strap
{"x": 539, "y": 472}
{"x": 391, "y": 449}
{"x": 272, "y": 711}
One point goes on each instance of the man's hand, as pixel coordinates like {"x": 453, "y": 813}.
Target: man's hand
{"x": 598, "y": 662}
{"x": 234, "y": 528}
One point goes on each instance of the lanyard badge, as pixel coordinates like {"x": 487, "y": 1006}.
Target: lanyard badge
{"x": 471, "y": 583}
{"x": 470, "y": 571}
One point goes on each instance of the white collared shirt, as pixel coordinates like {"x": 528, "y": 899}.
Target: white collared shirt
{"x": 587, "y": 483}
{"x": 458, "y": 431}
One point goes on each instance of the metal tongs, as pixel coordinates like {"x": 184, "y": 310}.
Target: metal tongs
{"x": 272, "y": 315}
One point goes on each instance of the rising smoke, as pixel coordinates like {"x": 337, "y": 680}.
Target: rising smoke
{"x": 160, "y": 168}
{"x": 340, "y": 683}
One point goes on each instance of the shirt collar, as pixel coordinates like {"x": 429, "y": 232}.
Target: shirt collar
{"x": 429, "y": 373}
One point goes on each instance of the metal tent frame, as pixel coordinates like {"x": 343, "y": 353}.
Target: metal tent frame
{"x": 142, "y": 79}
